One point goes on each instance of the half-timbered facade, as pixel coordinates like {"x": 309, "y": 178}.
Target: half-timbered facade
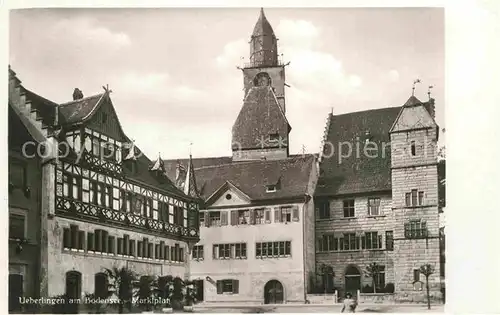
{"x": 105, "y": 204}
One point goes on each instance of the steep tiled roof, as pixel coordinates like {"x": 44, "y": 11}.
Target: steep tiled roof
{"x": 259, "y": 117}
{"x": 171, "y": 165}
{"x": 252, "y": 177}
{"x": 342, "y": 173}
{"x": 45, "y": 107}
{"x": 79, "y": 110}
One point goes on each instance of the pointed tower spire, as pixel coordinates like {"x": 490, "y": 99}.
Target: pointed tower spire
{"x": 190, "y": 188}
{"x": 263, "y": 44}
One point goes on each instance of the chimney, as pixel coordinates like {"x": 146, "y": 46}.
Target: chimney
{"x": 77, "y": 94}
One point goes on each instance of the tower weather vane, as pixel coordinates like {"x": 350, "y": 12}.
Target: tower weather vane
{"x": 413, "y": 88}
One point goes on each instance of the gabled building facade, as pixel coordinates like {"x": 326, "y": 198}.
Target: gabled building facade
{"x": 104, "y": 203}
{"x": 377, "y": 200}
{"x": 257, "y": 219}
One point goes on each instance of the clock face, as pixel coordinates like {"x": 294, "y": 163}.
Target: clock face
{"x": 262, "y": 79}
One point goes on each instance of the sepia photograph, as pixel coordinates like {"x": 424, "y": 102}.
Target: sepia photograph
{"x": 215, "y": 160}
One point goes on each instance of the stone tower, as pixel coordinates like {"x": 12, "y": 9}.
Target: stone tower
{"x": 261, "y": 129}
{"x": 414, "y": 177}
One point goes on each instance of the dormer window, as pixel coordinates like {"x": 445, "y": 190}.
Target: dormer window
{"x": 271, "y": 188}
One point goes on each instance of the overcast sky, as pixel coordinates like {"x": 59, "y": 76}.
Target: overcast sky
{"x": 174, "y": 77}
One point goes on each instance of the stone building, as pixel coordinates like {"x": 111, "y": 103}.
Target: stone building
{"x": 377, "y": 199}
{"x": 25, "y": 188}
{"x": 257, "y": 219}
{"x": 103, "y": 202}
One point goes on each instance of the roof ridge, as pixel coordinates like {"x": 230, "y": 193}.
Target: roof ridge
{"x": 82, "y": 99}
{"x": 366, "y": 110}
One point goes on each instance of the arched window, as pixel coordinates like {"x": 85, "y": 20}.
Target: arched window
{"x": 101, "y": 285}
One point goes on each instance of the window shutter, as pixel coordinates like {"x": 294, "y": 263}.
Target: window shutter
{"x": 380, "y": 241}
{"x": 207, "y": 219}
{"x": 407, "y": 232}
{"x": 277, "y": 215}
{"x": 363, "y": 242}
{"x": 219, "y": 287}
{"x": 66, "y": 238}
{"x": 252, "y": 216}
{"x": 236, "y": 286}
{"x": 214, "y": 253}
{"x": 223, "y": 218}
{"x": 268, "y": 215}
{"x": 234, "y": 217}
{"x": 295, "y": 213}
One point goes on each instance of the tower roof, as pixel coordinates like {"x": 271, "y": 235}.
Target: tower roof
{"x": 262, "y": 27}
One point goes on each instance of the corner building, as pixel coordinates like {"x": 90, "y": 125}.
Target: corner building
{"x": 380, "y": 204}
{"x": 102, "y": 203}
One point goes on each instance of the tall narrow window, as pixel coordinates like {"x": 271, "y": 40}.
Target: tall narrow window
{"x": 374, "y": 206}
{"x": 389, "y": 240}
{"x": 413, "y": 148}
{"x": 420, "y": 198}
{"x": 414, "y": 194}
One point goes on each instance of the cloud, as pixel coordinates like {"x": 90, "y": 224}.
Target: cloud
{"x": 232, "y": 53}
{"x": 85, "y": 31}
{"x": 297, "y": 33}
{"x": 393, "y": 75}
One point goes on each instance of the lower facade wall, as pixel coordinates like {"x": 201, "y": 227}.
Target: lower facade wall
{"x": 88, "y": 264}
{"x": 251, "y": 286}
{"x": 340, "y": 261}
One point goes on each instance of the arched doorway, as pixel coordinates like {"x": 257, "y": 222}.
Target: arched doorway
{"x": 273, "y": 292}
{"x": 352, "y": 280}
{"x": 73, "y": 290}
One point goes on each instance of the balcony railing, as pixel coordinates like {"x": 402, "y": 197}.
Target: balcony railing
{"x": 79, "y": 209}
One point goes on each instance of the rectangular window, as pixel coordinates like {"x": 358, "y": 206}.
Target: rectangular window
{"x": 240, "y": 251}
{"x": 323, "y": 209}
{"x": 286, "y": 214}
{"x": 243, "y": 216}
{"x": 259, "y": 216}
{"x": 374, "y": 206}
{"x": 132, "y": 248}
{"x": 416, "y": 229}
{"x": 227, "y": 286}
{"x": 111, "y": 245}
{"x": 380, "y": 279}
{"x": 348, "y": 206}
{"x": 119, "y": 246}
{"x": 198, "y": 252}
{"x": 408, "y": 199}
{"x": 420, "y": 198}
{"x": 215, "y": 218}
{"x": 273, "y": 249}
{"x": 416, "y": 275}
{"x": 350, "y": 242}
{"x": 166, "y": 252}
{"x": 413, "y": 148}
{"x": 150, "y": 250}
{"x": 90, "y": 242}
{"x": 16, "y": 226}
{"x": 81, "y": 240}
{"x": 389, "y": 240}
{"x": 372, "y": 240}
{"x": 414, "y": 194}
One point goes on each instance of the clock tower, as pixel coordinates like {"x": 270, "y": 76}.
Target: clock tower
{"x": 261, "y": 129}
{"x": 264, "y": 67}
